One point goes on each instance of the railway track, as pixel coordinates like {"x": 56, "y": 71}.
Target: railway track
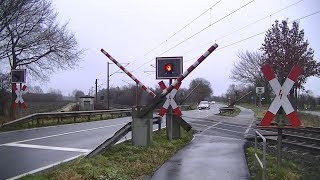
{"x": 303, "y": 139}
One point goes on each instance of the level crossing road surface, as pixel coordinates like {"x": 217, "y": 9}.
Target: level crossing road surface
{"x": 217, "y": 150}
{"x": 29, "y": 151}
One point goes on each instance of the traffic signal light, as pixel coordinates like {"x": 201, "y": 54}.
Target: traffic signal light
{"x": 168, "y": 67}
{"x": 18, "y": 75}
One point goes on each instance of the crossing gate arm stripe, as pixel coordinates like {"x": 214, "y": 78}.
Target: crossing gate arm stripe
{"x": 128, "y": 73}
{"x": 275, "y": 105}
{"x": 267, "y": 72}
{"x": 295, "y": 73}
{"x": 287, "y": 85}
{"x": 294, "y": 120}
{"x": 162, "y": 85}
{"x": 162, "y": 111}
{"x": 268, "y": 117}
{"x": 287, "y": 107}
{"x": 178, "y": 85}
{"x": 275, "y": 85}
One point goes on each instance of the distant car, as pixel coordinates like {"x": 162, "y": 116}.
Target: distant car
{"x": 213, "y": 102}
{"x": 204, "y": 105}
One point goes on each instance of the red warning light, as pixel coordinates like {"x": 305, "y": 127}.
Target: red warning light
{"x": 168, "y": 67}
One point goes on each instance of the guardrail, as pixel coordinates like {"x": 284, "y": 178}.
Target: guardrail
{"x": 263, "y": 163}
{"x": 60, "y": 116}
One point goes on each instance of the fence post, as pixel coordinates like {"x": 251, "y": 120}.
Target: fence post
{"x": 263, "y": 163}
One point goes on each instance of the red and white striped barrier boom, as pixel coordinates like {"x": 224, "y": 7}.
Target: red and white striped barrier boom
{"x": 19, "y": 93}
{"x": 281, "y": 98}
{"x": 190, "y": 69}
{"x": 152, "y": 94}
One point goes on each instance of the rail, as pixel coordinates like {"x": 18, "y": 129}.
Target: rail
{"x": 59, "y": 116}
{"x": 263, "y": 163}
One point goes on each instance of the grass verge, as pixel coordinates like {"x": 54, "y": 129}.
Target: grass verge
{"x": 122, "y": 161}
{"x": 309, "y": 120}
{"x": 288, "y": 170}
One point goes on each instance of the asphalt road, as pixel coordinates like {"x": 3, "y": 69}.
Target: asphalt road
{"x": 217, "y": 150}
{"x": 29, "y": 151}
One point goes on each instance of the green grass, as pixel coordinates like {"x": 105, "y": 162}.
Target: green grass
{"x": 234, "y": 113}
{"x": 306, "y": 119}
{"x": 288, "y": 170}
{"x": 122, "y": 161}
{"x": 309, "y": 120}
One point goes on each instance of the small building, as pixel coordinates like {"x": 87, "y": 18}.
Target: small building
{"x": 86, "y": 103}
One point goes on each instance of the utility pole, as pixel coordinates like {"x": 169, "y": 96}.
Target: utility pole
{"x": 96, "y": 91}
{"x": 108, "y": 99}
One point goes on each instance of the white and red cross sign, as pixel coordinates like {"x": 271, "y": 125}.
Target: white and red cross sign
{"x": 19, "y": 93}
{"x": 170, "y": 100}
{"x": 281, "y": 98}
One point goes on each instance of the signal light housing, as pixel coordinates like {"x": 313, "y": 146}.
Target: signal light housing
{"x": 169, "y": 67}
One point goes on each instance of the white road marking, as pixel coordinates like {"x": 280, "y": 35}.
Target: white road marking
{"x": 66, "y": 160}
{"x": 227, "y": 130}
{"x": 234, "y": 125}
{"x": 220, "y": 137}
{"x": 48, "y": 147}
{"x": 197, "y": 124}
{"x": 249, "y": 127}
{"x": 44, "y": 167}
{"x": 211, "y": 126}
{"x": 62, "y": 134}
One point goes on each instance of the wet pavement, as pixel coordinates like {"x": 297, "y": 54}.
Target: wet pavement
{"x": 217, "y": 150}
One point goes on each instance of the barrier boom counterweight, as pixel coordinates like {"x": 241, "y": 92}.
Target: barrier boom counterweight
{"x": 152, "y": 94}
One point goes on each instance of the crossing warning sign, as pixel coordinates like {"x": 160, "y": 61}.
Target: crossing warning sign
{"x": 281, "y": 98}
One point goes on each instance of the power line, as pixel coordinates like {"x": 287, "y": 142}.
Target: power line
{"x": 246, "y": 26}
{"x": 198, "y": 32}
{"x": 247, "y": 38}
{"x": 182, "y": 28}
{"x": 234, "y": 11}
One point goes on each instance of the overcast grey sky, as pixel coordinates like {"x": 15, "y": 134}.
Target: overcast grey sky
{"x": 129, "y": 29}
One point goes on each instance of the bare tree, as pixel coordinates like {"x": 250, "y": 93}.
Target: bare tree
{"x": 248, "y": 69}
{"x": 8, "y": 11}
{"x": 33, "y": 39}
{"x": 202, "y": 92}
{"x": 77, "y": 94}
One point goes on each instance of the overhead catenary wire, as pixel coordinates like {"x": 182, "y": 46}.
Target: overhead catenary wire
{"x": 234, "y": 11}
{"x": 252, "y": 36}
{"x": 185, "y": 26}
{"x": 246, "y": 26}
